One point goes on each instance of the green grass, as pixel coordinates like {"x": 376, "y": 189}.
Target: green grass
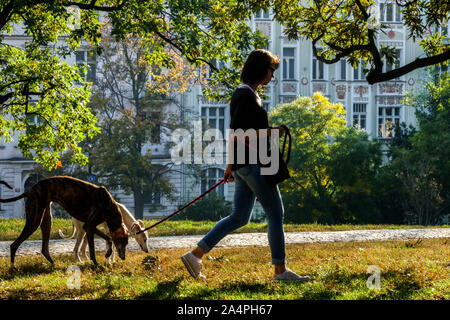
{"x": 409, "y": 270}
{"x": 11, "y": 228}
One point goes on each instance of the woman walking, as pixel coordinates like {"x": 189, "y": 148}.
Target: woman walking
{"x": 247, "y": 112}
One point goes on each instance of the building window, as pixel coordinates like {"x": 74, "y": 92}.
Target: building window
{"x": 358, "y": 73}
{"x": 388, "y": 119}
{"x": 392, "y": 66}
{"x": 317, "y": 69}
{"x": 214, "y": 117}
{"x": 390, "y": 12}
{"x": 444, "y": 29}
{"x": 154, "y": 200}
{"x": 155, "y": 131}
{"x": 440, "y": 69}
{"x": 210, "y": 177}
{"x": 262, "y": 14}
{"x": 342, "y": 72}
{"x": 359, "y": 115}
{"x": 88, "y": 59}
{"x": 288, "y": 63}
{"x": 218, "y": 65}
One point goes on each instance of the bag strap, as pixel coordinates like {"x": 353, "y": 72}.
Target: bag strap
{"x": 287, "y": 134}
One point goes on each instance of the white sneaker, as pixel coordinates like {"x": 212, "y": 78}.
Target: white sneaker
{"x": 289, "y": 276}
{"x": 193, "y": 265}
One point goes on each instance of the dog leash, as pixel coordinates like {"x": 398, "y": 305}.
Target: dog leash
{"x": 183, "y": 207}
{"x": 287, "y": 133}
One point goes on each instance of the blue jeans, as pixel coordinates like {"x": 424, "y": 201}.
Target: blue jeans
{"x": 249, "y": 184}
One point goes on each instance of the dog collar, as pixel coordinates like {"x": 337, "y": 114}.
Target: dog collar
{"x": 122, "y": 232}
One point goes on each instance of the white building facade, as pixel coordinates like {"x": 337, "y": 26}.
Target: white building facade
{"x": 375, "y": 108}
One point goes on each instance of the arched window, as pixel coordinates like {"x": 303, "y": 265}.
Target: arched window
{"x": 210, "y": 177}
{"x": 31, "y": 181}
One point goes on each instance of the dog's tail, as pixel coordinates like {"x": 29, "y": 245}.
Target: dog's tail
{"x": 23, "y": 195}
{"x": 61, "y": 234}
{"x": 6, "y": 184}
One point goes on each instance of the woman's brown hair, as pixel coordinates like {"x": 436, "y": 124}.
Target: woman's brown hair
{"x": 258, "y": 63}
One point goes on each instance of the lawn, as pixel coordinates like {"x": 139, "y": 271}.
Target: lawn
{"x": 11, "y": 228}
{"x": 409, "y": 269}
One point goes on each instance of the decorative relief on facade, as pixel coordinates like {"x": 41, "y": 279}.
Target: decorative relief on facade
{"x": 322, "y": 87}
{"x": 340, "y": 91}
{"x": 391, "y": 43}
{"x": 290, "y": 87}
{"x": 391, "y": 34}
{"x": 361, "y": 90}
{"x": 389, "y": 100}
{"x": 265, "y": 27}
{"x": 204, "y": 100}
{"x": 393, "y": 88}
{"x": 304, "y": 81}
{"x": 287, "y": 99}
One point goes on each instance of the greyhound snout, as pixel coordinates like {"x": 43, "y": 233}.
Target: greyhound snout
{"x": 144, "y": 248}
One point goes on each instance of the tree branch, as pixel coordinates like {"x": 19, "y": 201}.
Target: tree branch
{"x": 375, "y": 77}
{"x": 5, "y": 97}
{"x": 92, "y": 6}
{"x": 190, "y": 59}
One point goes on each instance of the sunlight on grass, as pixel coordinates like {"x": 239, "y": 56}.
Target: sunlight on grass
{"x": 339, "y": 271}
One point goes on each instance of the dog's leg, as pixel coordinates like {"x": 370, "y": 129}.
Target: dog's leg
{"x": 91, "y": 227}
{"x": 84, "y": 243}
{"x": 81, "y": 240}
{"x": 33, "y": 213}
{"x": 90, "y": 239}
{"x": 46, "y": 226}
{"x": 109, "y": 246}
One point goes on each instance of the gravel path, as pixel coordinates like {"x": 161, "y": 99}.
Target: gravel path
{"x": 240, "y": 239}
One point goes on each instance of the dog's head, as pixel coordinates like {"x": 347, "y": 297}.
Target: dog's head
{"x": 120, "y": 239}
{"x": 113, "y": 218}
{"x": 142, "y": 237}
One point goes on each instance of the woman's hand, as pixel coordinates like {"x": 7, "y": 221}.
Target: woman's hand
{"x": 228, "y": 176}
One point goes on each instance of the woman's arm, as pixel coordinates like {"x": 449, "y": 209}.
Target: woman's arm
{"x": 228, "y": 176}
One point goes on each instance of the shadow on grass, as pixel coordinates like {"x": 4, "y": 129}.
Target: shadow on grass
{"x": 236, "y": 288}
{"x": 394, "y": 285}
{"x": 27, "y": 269}
{"x": 164, "y": 290}
{"x": 171, "y": 290}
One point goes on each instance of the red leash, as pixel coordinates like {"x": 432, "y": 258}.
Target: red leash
{"x": 200, "y": 196}
{"x": 183, "y": 207}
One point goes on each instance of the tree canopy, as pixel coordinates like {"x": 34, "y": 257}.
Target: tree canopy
{"x": 35, "y": 81}
{"x": 346, "y": 29}
{"x": 332, "y": 165}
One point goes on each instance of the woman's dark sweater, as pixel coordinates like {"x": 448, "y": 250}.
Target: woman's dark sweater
{"x": 246, "y": 112}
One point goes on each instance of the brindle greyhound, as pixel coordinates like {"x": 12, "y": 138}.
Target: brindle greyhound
{"x": 82, "y": 200}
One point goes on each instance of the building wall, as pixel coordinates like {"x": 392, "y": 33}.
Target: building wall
{"x": 361, "y": 101}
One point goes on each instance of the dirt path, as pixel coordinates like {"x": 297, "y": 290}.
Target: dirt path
{"x": 240, "y": 239}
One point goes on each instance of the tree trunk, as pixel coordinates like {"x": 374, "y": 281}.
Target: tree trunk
{"x": 138, "y": 205}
